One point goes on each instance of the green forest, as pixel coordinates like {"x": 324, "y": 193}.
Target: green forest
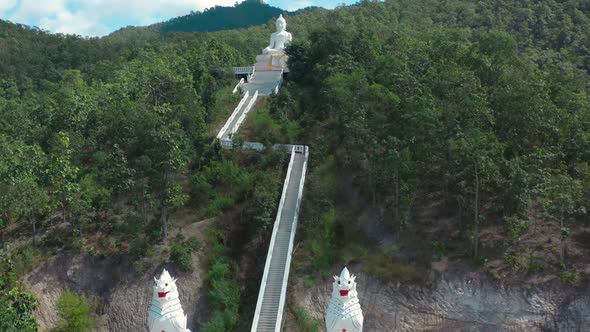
{"x": 242, "y": 15}
{"x": 475, "y": 111}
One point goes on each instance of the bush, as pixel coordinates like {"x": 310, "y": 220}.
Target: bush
{"x": 201, "y": 190}
{"x": 218, "y": 205}
{"x": 58, "y": 238}
{"x": 181, "y": 254}
{"x": 383, "y": 267}
{"x": 266, "y": 201}
{"x": 306, "y": 323}
{"x": 17, "y": 311}
{"x": 75, "y": 313}
{"x": 216, "y": 324}
{"x": 440, "y": 249}
{"x": 131, "y": 226}
{"x": 139, "y": 246}
{"x": 224, "y": 292}
{"x": 322, "y": 242}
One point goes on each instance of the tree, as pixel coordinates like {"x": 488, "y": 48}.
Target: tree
{"x": 562, "y": 199}
{"x": 62, "y": 174}
{"x": 169, "y": 155}
{"x": 22, "y": 194}
{"x": 17, "y": 311}
{"x": 479, "y": 155}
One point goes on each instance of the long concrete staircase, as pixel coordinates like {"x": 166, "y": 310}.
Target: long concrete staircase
{"x": 273, "y": 286}
{"x": 272, "y": 295}
{"x": 265, "y": 82}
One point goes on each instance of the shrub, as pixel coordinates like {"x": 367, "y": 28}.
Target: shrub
{"x": 533, "y": 267}
{"x": 58, "y": 238}
{"x": 201, "y": 190}
{"x": 224, "y": 292}
{"x": 569, "y": 276}
{"x": 75, "y": 313}
{"x": 216, "y": 324}
{"x": 309, "y": 282}
{"x": 218, "y": 205}
{"x": 265, "y": 198}
{"x": 139, "y": 246}
{"x": 181, "y": 253}
{"x": 383, "y": 267}
{"x": 17, "y": 311}
{"x": 132, "y": 224}
{"x": 440, "y": 249}
{"x": 25, "y": 259}
{"x": 305, "y": 322}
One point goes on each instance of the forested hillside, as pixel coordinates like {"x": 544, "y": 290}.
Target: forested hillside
{"x": 465, "y": 126}
{"x": 242, "y": 15}
{"x": 456, "y": 130}
{"x": 101, "y": 141}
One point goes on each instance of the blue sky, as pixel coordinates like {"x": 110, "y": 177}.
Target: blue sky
{"x": 101, "y": 17}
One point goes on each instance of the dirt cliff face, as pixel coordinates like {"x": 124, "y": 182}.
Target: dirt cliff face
{"x": 122, "y": 295}
{"x": 453, "y": 304}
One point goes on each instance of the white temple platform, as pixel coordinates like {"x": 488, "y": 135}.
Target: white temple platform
{"x": 268, "y": 62}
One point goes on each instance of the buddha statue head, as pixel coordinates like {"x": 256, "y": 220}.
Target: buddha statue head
{"x": 281, "y": 24}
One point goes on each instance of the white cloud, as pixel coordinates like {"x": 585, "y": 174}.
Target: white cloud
{"x": 66, "y": 22}
{"x": 7, "y": 5}
{"x": 92, "y": 17}
{"x": 298, "y": 4}
{"x": 28, "y": 9}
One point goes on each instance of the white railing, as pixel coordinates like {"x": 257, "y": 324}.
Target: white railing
{"x": 252, "y": 75}
{"x": 289, "y": 147}
{"x": 244, "y": 113}
{"x": 276, "y": 90}
{"x": 244, "y": 70}
{"x": 227, "y": 143}
{"x": 238, "y": 86}
{"x": 233, "y": 115}
{"x": 282, "y": 298}
{"x": 273, "y": 239}
{"x": 253, "y": 146}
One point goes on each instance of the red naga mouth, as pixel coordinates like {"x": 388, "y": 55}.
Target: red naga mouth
{"x": 343, "y": 293}
{"x": 162, "y": 294}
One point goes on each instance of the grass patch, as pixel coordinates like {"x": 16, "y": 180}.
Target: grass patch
{"x": 305, "y": 322}
{"x": 309, "y": 282}
{"x": 383, "y": 267}
{"x": 225, "y": 102}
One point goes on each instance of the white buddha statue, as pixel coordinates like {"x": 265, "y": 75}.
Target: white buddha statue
{"x": 279, "y": 39}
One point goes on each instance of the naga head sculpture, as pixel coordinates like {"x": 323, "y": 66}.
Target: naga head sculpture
{"x": 165, "y": 287}
{"x": 344, "y": 285}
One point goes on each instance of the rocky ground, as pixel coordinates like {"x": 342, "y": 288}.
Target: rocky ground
{"x": 122, "y": 295}
{"x": 453, "y": 303}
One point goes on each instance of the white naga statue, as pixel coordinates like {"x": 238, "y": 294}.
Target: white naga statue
{"x": 166, "y": 314}
{"x": 280, "y": 39}
{"x": 344, "y": 311}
